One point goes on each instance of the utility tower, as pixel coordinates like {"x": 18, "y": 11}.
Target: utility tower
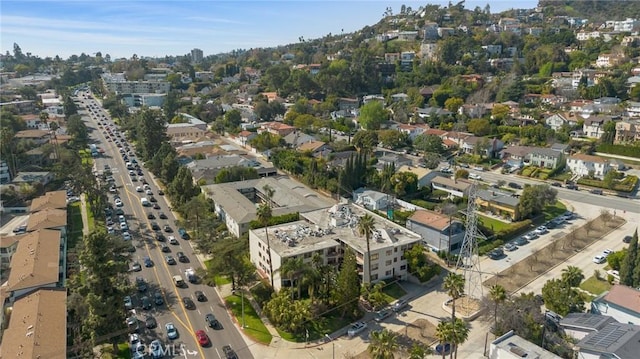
{"x": 469, "y": 259}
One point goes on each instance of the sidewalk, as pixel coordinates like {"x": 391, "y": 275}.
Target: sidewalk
{"x": 83, "y": 212}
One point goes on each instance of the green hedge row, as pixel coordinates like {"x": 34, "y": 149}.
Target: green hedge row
{"x": 424, "y": 204}
{"x": 513, "y": 230}
{"x": 628, "y": 184}
{"x": 274, "y": 221}
{"x": 622, "y": 150}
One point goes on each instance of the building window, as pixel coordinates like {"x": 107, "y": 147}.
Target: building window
{"x": 374, "y": 277}
{"x": 387, "y": 273}
{"x": 307, "y": 255}
{"x": 395, "y": 259}
{"x": 388, "y": 253}
{"x": 403, "y": 267}
{"x": 374, "y": 267}
{"x": 388, "y": 263}
{"x": 395, "y": 250}
{"x": 375, "y": 256}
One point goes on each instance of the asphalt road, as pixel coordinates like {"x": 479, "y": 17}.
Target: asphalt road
{"x": 160, "y": 276}
{"x": 605, "y": 201}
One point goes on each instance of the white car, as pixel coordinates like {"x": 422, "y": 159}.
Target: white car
{"x": 123, "y": 226}
{"x": 530, "y": 236}
{"x": 356, "y": 328}
{"x": 138, "y": 189}
{"x": 149, "y": 192}
{"x": 541, "y": 230}
{"x": 121, "y": 219}
{"x": 475, "y": 176}
{"x": 599, "y": 259}
{"x": 172, "y": 332}
{"x": 606, "y": 252}
{"x": 126, "y": 236}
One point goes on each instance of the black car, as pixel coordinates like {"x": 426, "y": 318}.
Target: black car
{"x": 146, "y": 303}
{"x": 155, "y": 226}
{"x": 181, "y": 257}
{"x": 496, "y": 253}
{"x": 156, "y": 206}
{"x": 188, "y": 303}
{"x": 200, "y": 297}
{"x": 161, "y": 215}
{"x": 212, "y": 321}
{"x": 229, "y": 353}
{"x": 627, "y": 239}
{"x": 596, "y": 191}
{"x": 165, "y": 248}
{"x": 151, "y": 216}
{"x": 160, "y": 237}
{"x": 157, "y": 298}
{"x": 556, "y": 184}
{"x": 150, "y": 322}
{"x": 167, "y": 228}
{"x": 514, "y": 185}
{"x": 572, "y": 186}
{"x": 152, "y": 199}
{"x": 160, "y": 193}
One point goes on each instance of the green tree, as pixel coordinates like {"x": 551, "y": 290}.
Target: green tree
{"x": 459, "y": 335}
{"x": 69, "y": 107}
{"x": 366, "y": 227}
{"x": 453, "y": 104}
{"x": 404, "y": 183}
{"x": 431, "y": 160}
{"x": 561, "y": 298}
{"x": 572, "y": 275}
{"x": 392, "y": 139}
{"x": 479, "y": 126}
{"x": 534, "y": 198}
{"x": 365, "y": 141}
{"x": 286, "y": 313}
{"x": 444, "y": 334}
{"x": 383, "y": 345}
{"x": 372, "y": 115}
{"x": 232, "y": 119}
{"x": 236, "y": 173}
{"x": 346, "y": 290}
{"x": 462, "y": 173}
{"x": 294, "y": 269}
{"x": 182, "y": 188}
{"x": 615, "y": 259}
{"x": 150, "y": 132}
{"x": 610, "y": 177}
{"x": 454, "y": 285}
{"x": 266, "y": 141}
{"x": 428, "y": 143}
{"x": 498, "y": 295}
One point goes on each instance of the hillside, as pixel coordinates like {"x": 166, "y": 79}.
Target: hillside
{"x": 595, "y": 10}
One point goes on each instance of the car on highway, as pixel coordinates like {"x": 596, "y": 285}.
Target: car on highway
{"x": 160, "y": 237}
{"x": 399, "y": 305}
{"x": 165, "y": 248}
{"x": 173, "y": 240}
{"x": 596, "y": 191}
{"x": 212, "y": 321}
{"x": 556, "y": 184}
{"x": 160, "y": 193}
{"x": 172, "y": 332}
{"x": 510, "y": 247}
{"x": 475, "y": 176}
{"x": 607, "y": 252}
{"x": 599, "y": 259}
{"x": 170, "y": 260}
{"x": 156, "y": 206}
{"x": 514, "y": 185}
{"x": 157, "y": 298}
{"x": 161, "y": 215}
{"x": 382, "y": 315}
{"x": 203, "y": 338}
{"x": 151, "y": 216}
{"x": 136, "y": 267}
{"x": 181, "y": 257}
{"x": 188, "y": 303}
{"x": 155, "y": 226}
{"x": 152, "y": 199}
{"x": 148, "y": 262}
{"x": 356, "y": 328}
{"x": 229, "y": 353}
{"x": 183, "y": 233}
{"x": 167, "y": 228}
{"x": 200, "y": 297}
{"x": 138, "y": 189}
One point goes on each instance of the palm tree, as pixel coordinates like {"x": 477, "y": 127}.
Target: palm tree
{"x": 444, "y": 335}
{"x": 459, "y": 334}
{"x": 572, "y": 275}
{"x": 498, "y": 295}
{"x": 264, "y": 216}
{"x": 366, "y": 226}
{"x": 294, "y": 269}
{"x": 383, "y": 344}
{"x": 454, "y": 284}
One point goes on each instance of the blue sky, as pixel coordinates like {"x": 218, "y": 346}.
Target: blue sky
{"x": 158, "y": 28}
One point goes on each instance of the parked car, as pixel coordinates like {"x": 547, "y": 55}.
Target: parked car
{"x": 496, "y": 253}
{"x": 510, "y": 247}
{"x": 172, "y": 332}
{"x": 627, "y": 239}
{"x": 530, "y": 236}
{"x": 475, "y": 176}
{"x": 356, "y": 328}
{"x": 136, "y": 267}
{"x": 128, "y": 303}
{"x": 556, "y": 184}
{"x": 145, "y": 303}
{"x": 382, "y": 314}
{"x": 572, "y": 186}
{"x": 399, "y": 305}
{"x": 541, "y": 230}
{"x": 521, "y": 241}
{"x": 514, "y": 185}
{"x": 157, "y": 298}
{"x": 599, "y": 259}
{"x": 444, "y": 348}
{"x": 150, "y": 322}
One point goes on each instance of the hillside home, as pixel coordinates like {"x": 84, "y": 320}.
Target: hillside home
{"x": 439, "y": 232}
{"x": 627, "y": 131}
{"x": 633, "y": 109}
{"x": 42, "y": 178}
{"x": 515, "y": 156}
{"x": 593, "y": 126}
{"x": 207, "y": 169}
{"x": 583, "y": 165}
{"x": 546, "y": 158}
{"x": 454, "y": 187}
{"x": 348, "y": 104}
{"x": 317, "y": 148}
{"x": 503, "y": 204}
{"x": 492, "y": 148}
{"x": 297, "y": 138}
{"x": 610, "y": 60}
{"x": 558, "y": 120}
{"x": 411, "y": 130}
{"x": 325, "y": 234}
{"x": 372, "y": 200}
{"x": 423, "y": 175}
{"x": 38, "y": 137}
{"x": 276, "y": 128}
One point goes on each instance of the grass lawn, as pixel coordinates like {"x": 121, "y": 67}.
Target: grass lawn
{"x": 393, "y": 291}
{"x": 220, "y": 279}
{"x": 123, "y": 351}
{"x": 90, "y": 220}
{"x": 75, "y": 224}
{"x": 551, "y": 212}
{"x": 595, "y": 286}
{"x": 493, "y": 223}
{"x": 254, "y": 326}
{"x": 317, "y": 329}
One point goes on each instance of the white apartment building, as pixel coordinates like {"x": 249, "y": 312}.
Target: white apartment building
{"x": 116, "y": 83}
{"x": 582, "y": 165}
{"x": 328, "y": 233}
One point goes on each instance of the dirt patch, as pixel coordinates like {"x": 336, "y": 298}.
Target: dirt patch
{"x": 420, "y": 331}
{"x": 556, "y": 252}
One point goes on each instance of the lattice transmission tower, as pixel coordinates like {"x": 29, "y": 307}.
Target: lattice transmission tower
{"x": 469, "y": 259}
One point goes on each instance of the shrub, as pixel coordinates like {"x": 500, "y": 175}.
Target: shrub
{"x": 623, "y": 150}
{"x": 261, "y": 293}
{"x": 424, "y": 204}
{"x": 628, "y": 184}
{"x": 488, "y": 246}
{"x": 274, "y": 221}
{"x": 513, "y": 230}
{"x": 427, "y": 272}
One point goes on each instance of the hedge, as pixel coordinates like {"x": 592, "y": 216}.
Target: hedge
{"x": 622, "y": 150}
{"x": 424, "y": 204}
{"x": 628, "y": 184}
{"x": 274, "y": 221}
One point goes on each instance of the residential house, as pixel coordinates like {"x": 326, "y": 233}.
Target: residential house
{"x": 429, "y": 112}
{"x": 317, "y": 148}
{"x": 561, "y": 147}
{"x": 339, "y": 159}
{"x": 579, "y": 325}
{"x": 391, "y": 57}
{"x": 454, "y": 187}
{"x": 244, "y": 137}
{"x": 32, "y": 121}
{"x": 372, "y": 200}
{"x": 407, "y": 35}
{"x": 430, "y": 31}
{"x": 610, "y": 60}
{"x": 297, "y": 138}
{"x": 616, "y": 340}
{"x": 5, "y": 174}
{"x": 627, "y": 131}
{"x": 206, "y": 170}
{"x": 389, "y": 158}
{"x": 493, "y": 146}
{"x": 38, "y": 326}
{"x": 423, "y": 175}
{"x": 633, "y": 109}
{"x": 192, "y": 129}
{"x": 39, "y": 137}
{"x": 546, "y": 158}
{"x": 457, "y": 137}
{"x": 271, "y": 96}
{"x": 325, "y": 234}
{"x": 42, "y": 178}
{"x": 205, "y": 148}
{"x": 412, "y": 131}
{"x": 516, "y": 156}
{"x": 400, "y": 97}
{"x": 474, "y": 110}
{"x": 8, "y": 245}
{"x": 584, "y": 165}
{"x": 369, "y": 98}
{"x": 236, "y": 202}
{"x": 620, "y": 302}
{"x": 439, "y": 232}
{"x": 348, "y": 104}
{"x": 38, "y": 262}
{"x": 500, "y": 203}
{"x": 593, "y": 126}
{"x": 511, "y": 346}
{"x": 276, "y": 128}
{"x": 49, "y": 200}
{"x": 558, "y": 120}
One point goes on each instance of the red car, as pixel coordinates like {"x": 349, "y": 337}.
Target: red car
{"x": 203, "y": 338}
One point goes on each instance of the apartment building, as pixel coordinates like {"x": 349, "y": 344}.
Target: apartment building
{"x": 116, "y": 83}
{"x": 327, "y": 233}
